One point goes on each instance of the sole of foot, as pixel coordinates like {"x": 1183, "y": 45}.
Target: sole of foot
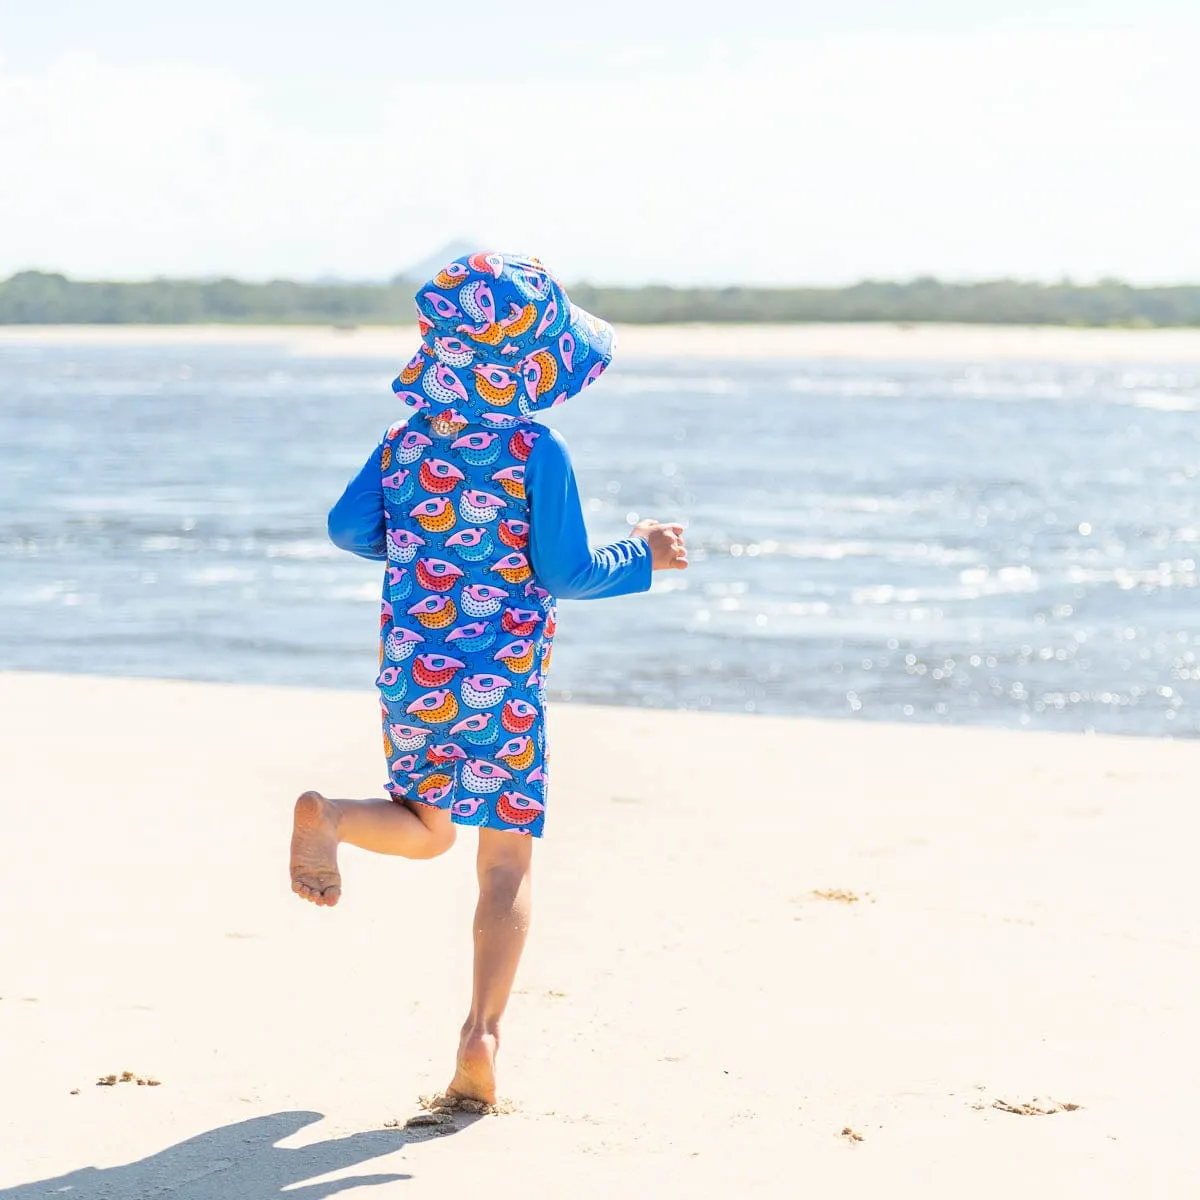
{"x": 314, "y": 868}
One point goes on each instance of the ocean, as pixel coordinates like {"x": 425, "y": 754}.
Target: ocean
{"x": 998, "y": 543}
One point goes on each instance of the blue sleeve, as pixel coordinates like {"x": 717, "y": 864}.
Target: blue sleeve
{"x": 356, "y": 521}
{"x": 559, "y": 552}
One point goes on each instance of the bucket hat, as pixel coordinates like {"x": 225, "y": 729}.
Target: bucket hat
{"x": 500, "y": 340}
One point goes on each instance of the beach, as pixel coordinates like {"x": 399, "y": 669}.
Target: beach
{"x": 770, "y": 956}
{"x": 963, "y": 343}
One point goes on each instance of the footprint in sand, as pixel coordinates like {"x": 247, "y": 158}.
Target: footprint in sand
{"x": 440, "y": 1103}
{"x": 1039, "y": 1106}
{"x": 126, "y": 1077}
{"x": 440, "y": 1109}
{"x": 422, "y": 1121}
{"x": 838, "y": 895}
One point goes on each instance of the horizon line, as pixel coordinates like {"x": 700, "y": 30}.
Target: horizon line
{"x": 336, "y": 281}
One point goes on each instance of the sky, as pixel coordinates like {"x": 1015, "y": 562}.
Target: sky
{"x": 746, "y": 141}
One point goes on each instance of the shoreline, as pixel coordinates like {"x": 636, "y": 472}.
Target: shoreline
{"x": 837, "y": 721}
{"x": 714, "y": 343}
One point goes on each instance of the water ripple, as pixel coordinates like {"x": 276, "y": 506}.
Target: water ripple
{"x": 1005, "y": 544}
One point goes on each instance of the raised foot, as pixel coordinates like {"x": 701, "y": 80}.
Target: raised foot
{"x": 475, "y": 1074}
{"x": 314, "y": 866}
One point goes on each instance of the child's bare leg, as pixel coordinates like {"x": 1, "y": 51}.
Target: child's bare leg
{"x": 501, "y": 925}
{"x": 384, "y": 826}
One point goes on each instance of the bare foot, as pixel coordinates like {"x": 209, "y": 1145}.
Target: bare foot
{"x": 314, "y": 850}
{"x": 475, "y": 1075}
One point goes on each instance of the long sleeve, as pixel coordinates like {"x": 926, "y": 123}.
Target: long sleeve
{"x": 559, "y": 552}
{"x": 356, "y": 521}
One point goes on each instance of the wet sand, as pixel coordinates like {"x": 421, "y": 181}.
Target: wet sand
{"x": 769, "y": 957}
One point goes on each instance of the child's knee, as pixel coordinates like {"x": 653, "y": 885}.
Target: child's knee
{"x": 442, "y": 837}
{"x": 504, "y": 861}
{"x": 441, "y": 832}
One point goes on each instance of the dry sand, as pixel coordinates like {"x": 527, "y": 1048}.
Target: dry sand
{"x": 965, "y": 343}
{"x": 770, "y": 958}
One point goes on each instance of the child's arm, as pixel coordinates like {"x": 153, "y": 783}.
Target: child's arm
{"x": 356, "y": 521}
{"x": 562, "y": 560}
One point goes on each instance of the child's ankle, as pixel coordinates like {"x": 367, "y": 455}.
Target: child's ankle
{"x": 475, "y": 1028}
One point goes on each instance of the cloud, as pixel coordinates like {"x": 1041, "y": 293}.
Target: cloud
{"x": 832, "y": 158}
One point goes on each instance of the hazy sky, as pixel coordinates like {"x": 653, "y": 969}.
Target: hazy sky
{"x": 626, "y": 141}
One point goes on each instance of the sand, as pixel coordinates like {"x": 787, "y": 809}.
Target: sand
{"x": 769, "y": 958}
{"x": 955, "y": 343}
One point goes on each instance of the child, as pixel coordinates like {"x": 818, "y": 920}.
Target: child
{"x": 476, "y": 511}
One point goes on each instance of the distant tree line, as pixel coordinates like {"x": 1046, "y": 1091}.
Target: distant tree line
{"x": 36, "y": 297}
{"x": 995, "y": 302}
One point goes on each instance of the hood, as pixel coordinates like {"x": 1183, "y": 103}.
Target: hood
{"x": 500, "y": 340}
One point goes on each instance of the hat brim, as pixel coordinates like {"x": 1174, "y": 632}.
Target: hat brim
{"x": 475, "y": 380}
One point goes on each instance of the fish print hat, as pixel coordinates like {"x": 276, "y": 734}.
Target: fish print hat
{"x": 501, "y": 340}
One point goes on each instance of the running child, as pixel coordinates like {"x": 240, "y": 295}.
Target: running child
{"x": 475, "y": 510}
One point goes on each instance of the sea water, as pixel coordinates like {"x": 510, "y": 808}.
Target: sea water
{"x": 997, "y": 543}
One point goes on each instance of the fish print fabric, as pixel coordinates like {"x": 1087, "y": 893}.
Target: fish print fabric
{"x": 466, "y": 629}
{"x": 501, "y": 338}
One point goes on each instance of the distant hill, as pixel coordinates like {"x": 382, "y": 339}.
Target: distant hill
{"x": 427, "y": 268}
{"x": 40, "y": 298}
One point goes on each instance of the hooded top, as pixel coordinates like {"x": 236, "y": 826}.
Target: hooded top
{"x": 500, "y": 340}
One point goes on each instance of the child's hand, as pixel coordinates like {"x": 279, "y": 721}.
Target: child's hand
{"x": 668, "y": 552}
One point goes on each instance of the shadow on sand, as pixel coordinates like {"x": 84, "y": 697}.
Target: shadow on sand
{"x": 235, "y": 1162}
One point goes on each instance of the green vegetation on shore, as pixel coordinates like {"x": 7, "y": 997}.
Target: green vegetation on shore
{"x": 39, "y": 298}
